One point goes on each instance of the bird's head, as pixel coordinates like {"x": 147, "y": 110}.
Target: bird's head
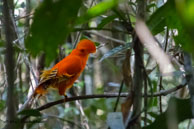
{"x": 86, "y": 46}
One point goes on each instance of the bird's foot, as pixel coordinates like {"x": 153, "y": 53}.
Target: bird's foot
{"x": 65, "y": 97}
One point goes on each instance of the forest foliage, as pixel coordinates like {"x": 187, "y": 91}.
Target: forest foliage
{"x": 123, "y": 85}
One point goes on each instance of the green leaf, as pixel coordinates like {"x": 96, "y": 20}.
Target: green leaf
{"x": 30, "y": 112}
{"x": 151, "y": 6}
{"x": 115, "y": 51}
{"x": 97, "y": 44}
{"x": 179, "y": 109}
{"x": 97, "y": 10}
{"x": 2, "y": 43}
{"x": 53, "y": 21}
{"x": 106, "y": 21}
{"x": 2, "y": 105}
{"x": 154, "y": 115}
{"x": 167, "y": 16}
{"x": 186, "y": 9}
{"x": 164, "y": 16}
{"x": 152, "y": 102}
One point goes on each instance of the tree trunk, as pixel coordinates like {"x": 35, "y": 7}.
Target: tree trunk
{"x": 135, "y": 122}
{"x": 9, "y": 63}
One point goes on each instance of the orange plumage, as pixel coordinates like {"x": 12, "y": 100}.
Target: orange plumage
{"x": 65, "y": 73}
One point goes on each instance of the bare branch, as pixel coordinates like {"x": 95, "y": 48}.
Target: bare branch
{"x": 107, "y": 95}
{"x": 27, "y": 15}
{"x": 100, "y": 29}
{"x": 166, "y": 92}
{"x": 107, "y": 37}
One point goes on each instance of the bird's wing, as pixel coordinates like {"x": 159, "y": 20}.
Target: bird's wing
{"x": 71, "y": 66}
{"x": 65, "y": 69}
{"x": 47, "y": 75}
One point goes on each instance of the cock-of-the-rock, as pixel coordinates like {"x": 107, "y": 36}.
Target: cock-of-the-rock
{"x": 63, "y": 75}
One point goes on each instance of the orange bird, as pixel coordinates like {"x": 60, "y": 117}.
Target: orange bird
{"x": 65, "y": 73}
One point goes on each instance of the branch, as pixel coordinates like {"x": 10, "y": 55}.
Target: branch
{"x": 101, "y": 29}
{"x": 118, "y": 97}
{"x": 166, "y": 92}
{"x": 22, "y": 17}
{"x": 107, "y": 37}
{"x": 107, "y": 95}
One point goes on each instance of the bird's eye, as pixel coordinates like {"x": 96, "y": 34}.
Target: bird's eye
{"x": 82, "y": 50}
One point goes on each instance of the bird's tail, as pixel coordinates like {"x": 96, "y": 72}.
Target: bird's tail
{"x": 41, "y": 90}
{"x": 38, "y": 92}
{"x": 29, "y": 102}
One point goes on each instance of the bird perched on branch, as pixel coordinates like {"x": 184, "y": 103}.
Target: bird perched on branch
{"x": 65, "y": 73}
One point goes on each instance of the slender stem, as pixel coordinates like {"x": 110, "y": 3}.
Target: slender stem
{"x": 48, "y": 105}
{"x": 117, "y": 101}
{"x": 26, "y": 16}
{"x": 166, "y": 41}
{"x": 100, "y": 29}
{"x": 145, "y": 98}
{"x": 107, "y": 37}
{"x": 78, "y": 36}
{"x": 160, "y": 97}
{"x": 107, "y": 95}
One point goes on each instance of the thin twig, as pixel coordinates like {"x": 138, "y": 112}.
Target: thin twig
{"x": 83, "y": 117}
{"x": 78, "y": 36}
{"x": 17, "y": 43}
{"x": 166, "y": 40}
{"x": 22, "y": 17}
{"x": 26, "y": 60}
{"x": 166, "y": 92}
{"x": 28, "y": 102}
{"x": 100, "y": 29}
{"x": 108, "y": 95}
{"x": 117, "y": 101}
{"x": 161, "y": 78}
{"x": 145, "y": 95}
{"x": 107, "y": 37}
{"x": 160, "y": 97}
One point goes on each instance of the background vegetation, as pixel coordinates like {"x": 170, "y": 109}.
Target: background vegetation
{"x": 140, "y": 77}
